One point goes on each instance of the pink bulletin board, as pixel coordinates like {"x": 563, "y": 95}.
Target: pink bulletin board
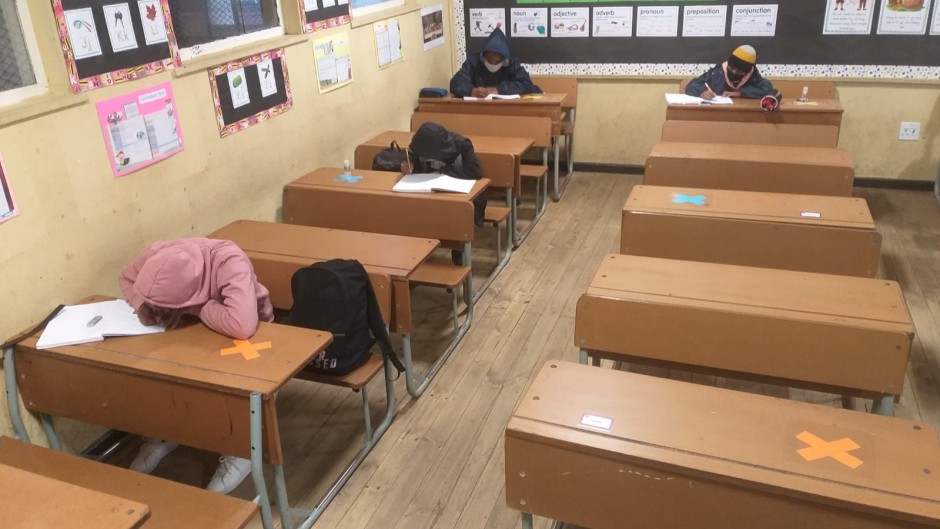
{"x": 140, "y": 128}
{"x": 8, "y": 208}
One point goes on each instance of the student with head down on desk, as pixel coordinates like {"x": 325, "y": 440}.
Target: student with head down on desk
{"x": 212, "y": 280}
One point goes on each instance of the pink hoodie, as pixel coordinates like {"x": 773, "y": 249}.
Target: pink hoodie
{"x": 211, "y": 279}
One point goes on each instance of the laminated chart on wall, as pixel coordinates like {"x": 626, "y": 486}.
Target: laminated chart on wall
{"x": 140, "y": 128}
{"x": 432, "y": 26}
{"x": 334, "y": 64}
{"x": 387, "y": 42}
{"x": 323, "y": 14}
{"x": 8, "y": 208}
{"x": 106, "y": 42}
{"x": 812, "y": 38}
{"x": 250, "y": 90}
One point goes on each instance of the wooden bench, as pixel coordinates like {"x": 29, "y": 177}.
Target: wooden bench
{"x": 568, "y": 85}
{"x": 171, "y": 505}
{"x": 846, "y": 335}
{"x": 773, "y": 134}
{"x": 607, "y": 449}
{"x": 807, "y": 233}
{"x": 796, "y": 170}
{"x": 793, "y": 88}
{"x": 539, "y": 129}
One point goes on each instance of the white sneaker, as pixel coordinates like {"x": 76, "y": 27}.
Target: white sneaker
{"x": 231, "y": 472}
{"x": 150, "y": 455}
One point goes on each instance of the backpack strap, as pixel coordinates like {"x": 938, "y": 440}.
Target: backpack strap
{"x": 377, "y": 326}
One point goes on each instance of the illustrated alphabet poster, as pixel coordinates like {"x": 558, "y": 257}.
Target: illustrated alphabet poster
{"x": 250, "y": 90}
{"x": 102, "y": 44}
{"x": 140, "y": 128}
{"x": 8, "y": 208}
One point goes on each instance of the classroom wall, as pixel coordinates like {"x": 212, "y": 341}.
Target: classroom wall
{"x": 632, "y": 111}
{"x": 78, "y": 225}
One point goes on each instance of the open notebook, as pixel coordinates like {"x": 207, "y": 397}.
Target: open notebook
{"x": 491, "y": 97}
{"x": 77, "y": 324}
{"x": 431, "y": 182}
{"x": 684, "y": 99}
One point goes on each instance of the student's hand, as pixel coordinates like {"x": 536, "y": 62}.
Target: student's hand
{"x": 406, "y": 168}
{"x": 732, "y": 94}
{"x": 145, "y": 315}
{"x": 707, "y": 94}
{"x": 491, "y": 90}
{"x": 167, "y": 318}
{"x": 479, "y": 91}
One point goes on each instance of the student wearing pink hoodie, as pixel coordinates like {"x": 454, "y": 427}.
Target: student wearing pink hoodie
{"x": 212, "y": 280}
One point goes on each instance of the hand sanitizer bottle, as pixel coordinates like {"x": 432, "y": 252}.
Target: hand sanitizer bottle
{"x": 346, "y": 169}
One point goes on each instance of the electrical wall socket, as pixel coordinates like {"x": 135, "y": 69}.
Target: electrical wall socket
{"x": 910, "y": 131}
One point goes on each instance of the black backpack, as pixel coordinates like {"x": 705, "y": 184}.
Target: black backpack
{"x": 390, "y": 159}
{"x": 337, "y": 296}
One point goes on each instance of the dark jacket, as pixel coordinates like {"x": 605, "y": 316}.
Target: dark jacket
{"x": 510, "y": 79}
{"x": 755, "y": 88}
{"x": 437, "y": 150}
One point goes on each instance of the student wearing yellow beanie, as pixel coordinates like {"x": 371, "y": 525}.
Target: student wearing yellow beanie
{"x": 736, "y": 77}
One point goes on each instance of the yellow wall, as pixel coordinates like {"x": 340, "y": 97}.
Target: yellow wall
{"x": 78, "y": 225}
{"x": 632, "y": 112}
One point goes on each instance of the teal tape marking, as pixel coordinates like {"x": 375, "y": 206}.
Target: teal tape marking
{"x": 347, "y": 178}
{"x": 697, "y": 200}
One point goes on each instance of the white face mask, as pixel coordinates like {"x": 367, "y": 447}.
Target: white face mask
{"x": 493, "y": 68}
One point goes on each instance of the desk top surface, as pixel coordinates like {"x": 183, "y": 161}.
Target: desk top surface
{"x": 740, "y": 153}
{"x": 30, "y": 501}
{"x": 824, "y": 298}
{"x": 194, "y": 355}
{"x": 750, "y": 440}
{"x": 481, "y": 144}
{"x": 809, "y": 210}
{"x": 395, "y": 255}
{"x": 537, "y": 100}
{"x": 787, "y": 105}
{"x": 172, "y": 505}
{"x": 376, "y": 182}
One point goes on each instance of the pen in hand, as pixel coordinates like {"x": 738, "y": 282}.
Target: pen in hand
{"x": 710, "y": 91}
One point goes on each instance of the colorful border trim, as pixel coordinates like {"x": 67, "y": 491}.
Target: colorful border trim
{"x": 848, "y": 71}
{"x": 79, "y": 85}
{"x": 317, "y": 25}
{"x": 242, "y": 124}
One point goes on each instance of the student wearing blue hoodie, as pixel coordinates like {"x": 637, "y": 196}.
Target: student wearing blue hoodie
{"x": 494, "y": 71}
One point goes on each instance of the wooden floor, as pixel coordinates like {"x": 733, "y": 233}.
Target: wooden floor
{"x": 440, "y": 465}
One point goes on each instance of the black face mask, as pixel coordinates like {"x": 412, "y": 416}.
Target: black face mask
{"x": 735, "y": 77}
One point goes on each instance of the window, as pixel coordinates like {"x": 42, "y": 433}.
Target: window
{"x": 20, "y": 73}
{"x": 199, "y": 23}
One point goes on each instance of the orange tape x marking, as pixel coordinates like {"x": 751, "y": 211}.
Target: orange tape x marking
{"x": 245, "y": 348}
{"x": 838, "y": 450}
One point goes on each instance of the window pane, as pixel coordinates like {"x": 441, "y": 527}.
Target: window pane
{"x": 202, "y": 21}
{"x": 15, "y": 68}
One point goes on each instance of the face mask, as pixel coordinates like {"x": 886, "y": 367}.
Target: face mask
{"x": 493, "y": 68}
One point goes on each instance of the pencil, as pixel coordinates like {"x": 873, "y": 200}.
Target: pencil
{"x": 709, "y": 88}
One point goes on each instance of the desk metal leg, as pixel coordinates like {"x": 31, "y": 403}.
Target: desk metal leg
{"x": 508, "y": 250}
{"x": 883, "y": 405}
{"x": 257, "y": 469}
{"x": 541, "y": 200}
{"x": 585, "y": 356}
{"x": 559, "y": 189}
{"x": 371, "y": 439}
{"x": 13, "y": 398}
{"x": 526, "y": 520}
{"x": 51, "y": 434}
{"x": 415, "y": 386}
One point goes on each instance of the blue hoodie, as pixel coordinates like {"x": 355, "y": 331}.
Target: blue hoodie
{"x": 510, "y": 79}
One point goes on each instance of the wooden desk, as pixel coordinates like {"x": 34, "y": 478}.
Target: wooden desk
{"x": 278, "y": 250}
{"x": 33, "y": 500}
{"x": 499, "y": 156}
{"x": 846, "y": 335}
{"x": 171, "y": 505}
{"x": 817, "y": 112}
{"x": 807, "y": 233}
{"x": 676, "y": 455}
{"x": 177, "y": 386}
{"x": 773, "y": 134}
{"x": 798, "y": 170}
{"x": 548, "y": 105}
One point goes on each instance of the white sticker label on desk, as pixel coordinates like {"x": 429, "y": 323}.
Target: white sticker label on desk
{"x": 811, "y": 214}
{"x": 596, "y": 421}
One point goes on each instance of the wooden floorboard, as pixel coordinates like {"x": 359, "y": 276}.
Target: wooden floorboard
{"x": 440, "y": 465}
